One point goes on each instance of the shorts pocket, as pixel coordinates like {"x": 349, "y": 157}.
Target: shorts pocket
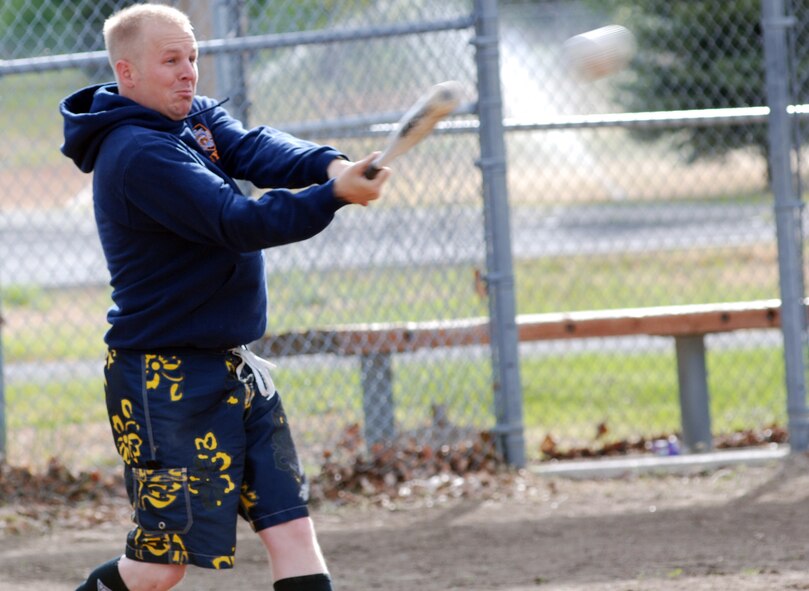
{"x": 162, "y": 500}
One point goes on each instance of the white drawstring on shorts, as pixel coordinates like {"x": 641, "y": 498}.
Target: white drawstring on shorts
{"x": 260, "y": 369}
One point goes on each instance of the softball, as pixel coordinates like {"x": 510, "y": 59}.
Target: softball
{"x": 600, "y": 52}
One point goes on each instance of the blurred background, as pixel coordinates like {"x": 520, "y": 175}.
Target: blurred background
{"x": 608, "y": 207}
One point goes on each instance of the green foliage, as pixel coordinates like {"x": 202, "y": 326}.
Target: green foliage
{"x": 274, "y": 16}
{"x": 21, "y": 296}
{"x": 37, "y": 27}
{"x": 25, "y": 23}
{"x": 696, "y": 55}
{"x": 700, "y": 54}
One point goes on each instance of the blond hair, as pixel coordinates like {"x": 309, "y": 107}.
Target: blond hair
{"x": 123, "y": 30}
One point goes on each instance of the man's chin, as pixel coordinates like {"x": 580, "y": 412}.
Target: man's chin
{"x": 180, "y": 112}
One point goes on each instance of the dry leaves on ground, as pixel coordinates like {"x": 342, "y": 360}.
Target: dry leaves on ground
{"x": 415, "y": 470}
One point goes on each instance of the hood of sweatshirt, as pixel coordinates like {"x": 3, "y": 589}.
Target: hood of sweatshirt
{"x": 91, "y": 113}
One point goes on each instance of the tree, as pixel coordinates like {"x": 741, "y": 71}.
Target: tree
{"x": 39, "y": 27}
{"x": 699, "y": 54}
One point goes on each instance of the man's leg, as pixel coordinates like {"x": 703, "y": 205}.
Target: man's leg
{"x": 146, "y": 576}
{"x": 173, "y": 424}
{"x": 123, "y": 574}
{"x": 297, "y": 562}
{"x": 105, "y": 576}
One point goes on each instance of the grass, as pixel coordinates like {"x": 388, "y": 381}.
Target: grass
{"x": 565, "y": 395}
{"x": 553, "y": 284}
{"x": 373, "y": 295}
{"x": 591, "y": 282}
{"x": 53, "y": 404}
{"x": 571, "y": 394}
{"x": 56, "y": 325}
{"x": 27, "y": 98}
{"x": 24, "y": 296}
{"x": 53, "y": 324}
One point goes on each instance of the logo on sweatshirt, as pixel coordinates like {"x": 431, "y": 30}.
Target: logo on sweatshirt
{"x": 204, "y": 138}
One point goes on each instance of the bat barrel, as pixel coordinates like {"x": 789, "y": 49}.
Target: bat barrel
{"x": 418, "y": 122}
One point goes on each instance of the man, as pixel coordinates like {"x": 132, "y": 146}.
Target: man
{"x": 195, "y": 416}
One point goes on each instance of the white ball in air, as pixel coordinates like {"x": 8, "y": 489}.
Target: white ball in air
{"x": 600, "y": 52}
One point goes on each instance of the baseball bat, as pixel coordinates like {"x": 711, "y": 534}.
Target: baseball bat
{"x": 435, "y": 104}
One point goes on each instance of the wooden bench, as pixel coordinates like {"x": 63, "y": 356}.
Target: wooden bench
{"x": 375, "y": 345}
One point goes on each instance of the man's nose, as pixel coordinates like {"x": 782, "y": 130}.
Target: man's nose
{"x": 189, "y": 71}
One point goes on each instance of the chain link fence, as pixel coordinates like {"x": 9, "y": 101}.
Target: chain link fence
{"x": 615, "y": 208}
{"x": 609, "y": 209}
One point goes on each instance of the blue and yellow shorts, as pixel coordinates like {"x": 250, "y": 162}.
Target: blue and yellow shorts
{"x": 199, "y": 448}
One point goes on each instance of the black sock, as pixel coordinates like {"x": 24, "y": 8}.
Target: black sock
{"x": 107, "y": 574}
{"x": 320, "y": 582}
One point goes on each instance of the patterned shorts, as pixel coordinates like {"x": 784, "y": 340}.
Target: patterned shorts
{"x": 199, "y": 448}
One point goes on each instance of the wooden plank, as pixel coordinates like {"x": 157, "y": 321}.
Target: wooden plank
{"x": 696, "y": 319}
{"x": 398, "y": 338}
{"x": 361, "y": 339}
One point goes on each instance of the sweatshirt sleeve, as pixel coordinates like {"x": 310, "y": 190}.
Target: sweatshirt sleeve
{"x": 268, "y": 157}
{"x": 168, "y": 188}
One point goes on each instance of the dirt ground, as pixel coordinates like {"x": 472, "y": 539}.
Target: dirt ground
{"x": 735, "y": 528}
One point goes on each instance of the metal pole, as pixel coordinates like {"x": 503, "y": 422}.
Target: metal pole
{"x": 788, "y": 209}
{"x": 500, "y": 273}
{"x": 376, "y": 375}
{"x": 695, "y": 407}
{"x": 230, "y": 78}
{"x": 3, "y": 449}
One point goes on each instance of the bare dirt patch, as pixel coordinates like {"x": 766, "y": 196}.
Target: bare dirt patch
{"x": 743, "y": 528}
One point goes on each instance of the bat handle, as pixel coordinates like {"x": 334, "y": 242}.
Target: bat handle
{"x": 372, "y": 171}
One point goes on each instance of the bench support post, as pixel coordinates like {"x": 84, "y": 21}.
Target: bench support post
{"x": 376, "y": 374}
{"x": 694, "y": 405}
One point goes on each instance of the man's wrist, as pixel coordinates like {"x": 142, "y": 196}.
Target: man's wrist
{"x": 336, "y": 166}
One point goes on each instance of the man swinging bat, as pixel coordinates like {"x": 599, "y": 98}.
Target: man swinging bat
{"x": 194, "y": 414}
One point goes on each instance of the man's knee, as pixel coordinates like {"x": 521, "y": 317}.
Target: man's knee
{"x": 293, "y": 550}
{"x": 296, "y": 532}
{"x": 147, "y": 576}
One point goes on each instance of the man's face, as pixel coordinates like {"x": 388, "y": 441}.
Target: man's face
{"x": 164, "y": 72}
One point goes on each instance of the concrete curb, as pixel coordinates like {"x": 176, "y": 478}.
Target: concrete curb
{"x": 618, "y": 467}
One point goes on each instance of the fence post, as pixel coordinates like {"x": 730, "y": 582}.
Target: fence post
{"x": 788, "y": 209}
{"x": 500, "y": 271}
{"x": 230, "y": 78}
{"x": 3, "y": 449}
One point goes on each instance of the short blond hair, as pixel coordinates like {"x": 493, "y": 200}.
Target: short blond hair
{"x": 123, "y": 30}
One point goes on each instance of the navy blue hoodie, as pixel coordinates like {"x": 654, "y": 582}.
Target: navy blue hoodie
{"x": 182, "y": 243}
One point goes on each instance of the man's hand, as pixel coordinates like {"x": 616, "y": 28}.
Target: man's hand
{"x": 350, "y": 183}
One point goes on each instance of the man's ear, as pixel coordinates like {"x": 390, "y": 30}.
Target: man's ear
{"x": 125, "y": 73}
